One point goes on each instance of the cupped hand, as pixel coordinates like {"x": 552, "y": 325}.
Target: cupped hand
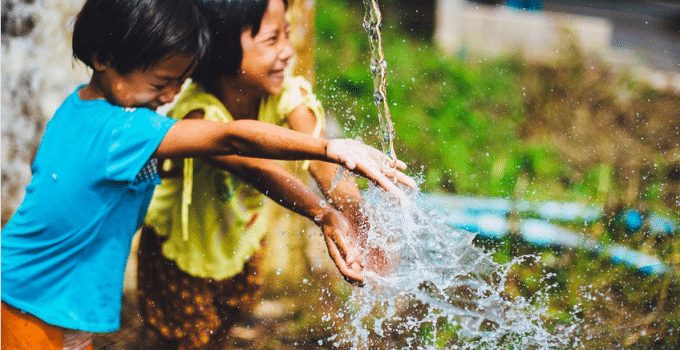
{"x": 345, "y": 254}
{"x": 375, "y": 259}
{"x": 368, "y": 162}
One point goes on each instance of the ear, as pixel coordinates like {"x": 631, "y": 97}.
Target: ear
{"x": 98, "y": 66}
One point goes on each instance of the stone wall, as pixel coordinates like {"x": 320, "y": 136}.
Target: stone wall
{"x": 37, "y": 74}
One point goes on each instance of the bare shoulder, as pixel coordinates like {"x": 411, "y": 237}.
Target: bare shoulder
{"x": 302, "y": 119}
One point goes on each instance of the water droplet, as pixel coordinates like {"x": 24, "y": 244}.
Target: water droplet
{"x": 54, "y": 176}
{"x": 377, "y": 98}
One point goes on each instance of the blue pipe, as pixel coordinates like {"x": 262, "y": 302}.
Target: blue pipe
{"x": 487, "y": 219}
{"x": 548, "y": 210}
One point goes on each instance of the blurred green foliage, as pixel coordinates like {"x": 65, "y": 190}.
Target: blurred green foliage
{"x": 447, "y": 112}
{"x": 571, "y": 129}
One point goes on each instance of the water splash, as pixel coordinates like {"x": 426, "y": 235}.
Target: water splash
{"x": 421, "y": 275}
{"x": 372, "y": 24}
{"x": 439, "y": 279}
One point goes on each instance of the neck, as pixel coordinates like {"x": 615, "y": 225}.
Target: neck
{"x": 92, "y": 91}
{"x": 242, "y": 102}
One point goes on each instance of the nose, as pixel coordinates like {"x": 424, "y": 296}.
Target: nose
{"x": 286, "y": 51}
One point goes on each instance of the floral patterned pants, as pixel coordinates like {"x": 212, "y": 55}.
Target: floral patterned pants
{"x": 193, "y": 312}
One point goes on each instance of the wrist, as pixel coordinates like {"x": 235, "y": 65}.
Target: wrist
{"x": 324, "y": 145}
{"x": 321, "y": 214}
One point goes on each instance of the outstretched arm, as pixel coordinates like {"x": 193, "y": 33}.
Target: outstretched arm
{"x": 344, "y": 195}
{"x": 192, "y": 137}
{"x": 196, "y": 137}
{"x": 287, "y": 190}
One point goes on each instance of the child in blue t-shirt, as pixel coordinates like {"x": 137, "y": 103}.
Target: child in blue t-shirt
{"x": 64, "y": 249}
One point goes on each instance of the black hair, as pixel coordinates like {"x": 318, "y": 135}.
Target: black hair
{"x": 136, "y": 34}
{"x": 226, "y": 20}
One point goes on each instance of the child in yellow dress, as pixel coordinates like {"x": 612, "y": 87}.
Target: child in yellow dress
{"x": 199, "y": 250}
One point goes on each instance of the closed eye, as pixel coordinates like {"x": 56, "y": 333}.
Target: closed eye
{"x": 159, "y": 87}
{"x": 270, "y": 40}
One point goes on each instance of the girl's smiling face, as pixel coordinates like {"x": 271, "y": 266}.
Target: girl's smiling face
{"x": 266, "y": 55}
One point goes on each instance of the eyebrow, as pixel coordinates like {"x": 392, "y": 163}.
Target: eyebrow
{"x": 270, "y": 32}
{"x": 276, "y": 30}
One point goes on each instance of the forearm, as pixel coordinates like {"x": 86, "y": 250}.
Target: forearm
{"x": 284, "y": 188}
{"x": 257, "y": 139}
{"x": 275, "y": 182}
{"x": 200, "y": 138}
{"x": 191, "y": 137}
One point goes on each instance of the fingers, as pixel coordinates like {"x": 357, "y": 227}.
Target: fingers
{"x": 406, "y": 180}
{"x": 350, "y": 254}
{"x": 388, "y": 170}
{"x": 380, "y": 179}
{"x": 338, "y": 241}
{"x": 400, "y": 165}
{"x": 357, "y": 268}
{"x": 371, "y": 163}
{"x": 350, "y": 274}
{"x": 401, "y": 178}
{"x": 395, "y": 163}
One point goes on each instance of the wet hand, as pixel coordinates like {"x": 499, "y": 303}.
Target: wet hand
{"x": 345, "y": 254}
{"x": 375, "y": 259}
{"x": 368, "y": 162}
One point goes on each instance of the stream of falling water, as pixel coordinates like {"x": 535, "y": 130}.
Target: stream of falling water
{"x": 372, "y": 24}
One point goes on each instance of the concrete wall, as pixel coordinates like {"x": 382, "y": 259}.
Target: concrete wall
{"x": 495, "y": 30}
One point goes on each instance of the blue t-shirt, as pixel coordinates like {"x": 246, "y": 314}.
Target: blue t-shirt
{"x": 64, "y": 250}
